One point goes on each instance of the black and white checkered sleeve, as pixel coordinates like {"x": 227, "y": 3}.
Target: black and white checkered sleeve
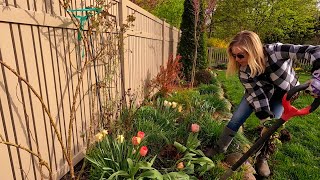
{"x": 280, "y": 51}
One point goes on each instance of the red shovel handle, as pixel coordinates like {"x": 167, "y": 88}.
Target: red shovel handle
{"x": 291, "y": 111}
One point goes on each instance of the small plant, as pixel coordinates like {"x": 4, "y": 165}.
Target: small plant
{"x": 193, "y": 162}
{"x": 119, "y": 158}
{"x": 167, "y": 78}
{"x": 209, "y": 89}
{"x": 203, "y": 77}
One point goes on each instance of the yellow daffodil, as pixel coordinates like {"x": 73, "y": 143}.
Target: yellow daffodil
{"x": 98, "y": 136}
{"x": 180, "y": 109}
{"x": 105, "y": 132}
{"x": 120, "y": 138}
{"x": 165, "y": 103}
{"x": 174, "y": 104}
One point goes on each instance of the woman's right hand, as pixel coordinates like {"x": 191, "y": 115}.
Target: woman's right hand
{"x": 314, "y": 86}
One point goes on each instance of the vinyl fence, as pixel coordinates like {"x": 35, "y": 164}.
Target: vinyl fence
{"x": 38, "y": 40}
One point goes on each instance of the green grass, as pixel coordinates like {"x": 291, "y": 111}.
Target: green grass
{"x": 298, "y": 158}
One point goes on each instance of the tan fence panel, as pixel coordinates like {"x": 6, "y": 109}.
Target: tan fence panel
{"x": 148, "y": 45}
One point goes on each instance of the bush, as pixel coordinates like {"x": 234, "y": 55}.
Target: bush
{"x": 215, "y": 42}
{"x": 186, "y": 44}
{"x": 203, "y": 77}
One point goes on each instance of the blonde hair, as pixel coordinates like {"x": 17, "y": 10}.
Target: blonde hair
{"x": 251, "y": 43}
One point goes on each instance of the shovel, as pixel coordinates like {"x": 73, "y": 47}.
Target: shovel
{"x": 289, "y": 112}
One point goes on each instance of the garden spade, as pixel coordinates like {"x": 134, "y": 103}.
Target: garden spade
{"x": 289, "y": 112}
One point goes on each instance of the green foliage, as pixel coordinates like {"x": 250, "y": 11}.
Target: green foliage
{"x": 193, "y": 162}
{"x": 170, "y": 11}
{"x": 117, "y": 158}
{"x": 185, "y": 97}
{"x": 218, "y": 43}
{"x": 214, "y": 101}
{"x": 290, "y": 21}
{"x": 187, "y": 42}
{"x": 159, "y": 123}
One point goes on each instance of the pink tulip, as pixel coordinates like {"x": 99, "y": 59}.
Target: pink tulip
{"x": 143, "y": 151}
{"x": 136, "y": 140}
{"x": 195, "y": 128}
{"x": 140, "y": 134}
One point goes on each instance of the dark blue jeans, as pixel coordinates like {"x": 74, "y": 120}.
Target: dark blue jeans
{"x": 243, "y": 111}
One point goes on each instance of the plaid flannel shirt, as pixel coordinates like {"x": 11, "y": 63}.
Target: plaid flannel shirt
{"x": 279, "y": 74}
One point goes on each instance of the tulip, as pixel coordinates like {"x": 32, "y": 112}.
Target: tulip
{"x": 174, "y": 104}
{"x": 140, "y": 134}
{"x": 180, "y": 165}
{"x": 143, "y": 151}
{"x": 195, "y": 128}
{"x": 120, "y": 138}
{"x": 136, "y": 140}
{"x": 99, "y": 136}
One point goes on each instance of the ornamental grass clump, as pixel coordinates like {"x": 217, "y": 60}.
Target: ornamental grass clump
{"x": 116, "y": 157}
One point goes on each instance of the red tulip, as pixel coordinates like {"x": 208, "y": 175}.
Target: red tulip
{"x": 143, "y": 151}
{"x": 136, "y": 140}
{"x": 195, "y": 128}
{"x": 140, "y": 134}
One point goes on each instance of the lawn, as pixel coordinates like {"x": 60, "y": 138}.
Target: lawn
{"x": 298, "y": 158}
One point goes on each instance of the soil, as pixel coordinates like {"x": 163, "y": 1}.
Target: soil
{"x": 77, "y": 168}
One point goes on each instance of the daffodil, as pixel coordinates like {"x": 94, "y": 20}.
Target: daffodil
{"x": 120, "y": 138}
{"x": 98, "y": 136}
{"x": 105, "y": 132}
{"x": 174, "y": 104}
{"x": 165, "y": 103}
{"x": 180, "y": 109}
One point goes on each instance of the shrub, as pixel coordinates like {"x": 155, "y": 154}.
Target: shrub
{"x": 203, "y": 77}
{"x": 186, "y": 44}
{"x": 216, "y": 42}
{"x": 167, "y": 78}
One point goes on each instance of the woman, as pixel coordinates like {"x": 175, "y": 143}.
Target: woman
{"x": 266, "y": 73}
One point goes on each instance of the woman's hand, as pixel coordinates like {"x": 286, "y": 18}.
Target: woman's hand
{"x": 314, "y": 87}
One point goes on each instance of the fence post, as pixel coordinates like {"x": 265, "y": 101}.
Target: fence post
{"x": 163, "y": 41}
{"x": 123, "y": 63}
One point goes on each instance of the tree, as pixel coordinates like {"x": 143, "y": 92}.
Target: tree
{"x": 170, "y": 11}
{"x": 188, "y": 43}
{"x": 290, "y": 21}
